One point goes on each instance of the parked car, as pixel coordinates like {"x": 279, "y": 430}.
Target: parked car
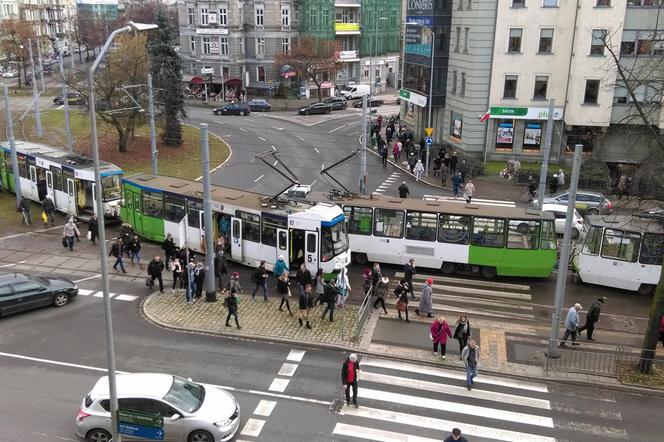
{"x": 587, "y": 203}
{"x": 19, "y": 292}
{"x": 315, "y": 108}
{"x": 374, "y": 102}
{"x": 233, "y": 109}
{"x": 259, "y": 105}
{"x": 9, "y": 74}
{"x": 579, "y": 228}
{"x": 72, "y": 98}
{"x": 190, "y": 411}
{"x": 337, "y": 103}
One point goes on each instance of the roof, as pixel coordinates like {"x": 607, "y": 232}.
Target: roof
{"x": 627, "y": 222}
{"x": 139, "y": 384}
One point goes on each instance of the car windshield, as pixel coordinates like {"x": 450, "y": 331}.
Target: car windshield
{"x": 185, "y": 395}
{"x": 110, "y": 186}
{"x": 334, "y": 241}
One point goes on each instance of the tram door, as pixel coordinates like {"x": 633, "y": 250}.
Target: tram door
{"x": 236, "y": 239}
{"x": 71, "y": 197}
{"x": 282, "y": 243}
{"x": 311, "y": 251}
{"x": 49, "y": 187}
{"x": 34, "y": 193}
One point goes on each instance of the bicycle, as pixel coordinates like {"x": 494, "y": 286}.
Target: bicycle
{"x": 528, "y": 196}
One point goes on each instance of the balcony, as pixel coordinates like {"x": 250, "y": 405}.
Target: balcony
{"x": 347, "y": 28}
{"x": 347, "y": 56}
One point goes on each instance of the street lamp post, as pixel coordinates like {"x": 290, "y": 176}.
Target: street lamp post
{"x": 110, "y": 355}
{"x": 372, "y": 60}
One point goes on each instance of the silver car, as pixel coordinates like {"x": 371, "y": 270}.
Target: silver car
{"x": 191, "y": 412}
{"x": 587, "y": 203}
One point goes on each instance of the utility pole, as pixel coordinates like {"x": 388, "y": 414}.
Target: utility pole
{"x": 545, "y": 155}
{"x": 210, "y": 293}
{"x": 41, "y": 67}
{"x": 563, "y": 263}
{"x": 363, "y": 157}
{"x": 35, "y": 95}
{"x": 12, "y": 145}
{"x": 70, "y": 143}
{"x": 221, "y": 73}
{"x": 153, "y": 137}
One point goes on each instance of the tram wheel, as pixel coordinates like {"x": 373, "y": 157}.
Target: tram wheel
{"x": 646, "y": 289}
{"x": 447, "y": 267}
{"x": 489, "y": 272}
{"x": 360, "y": 258}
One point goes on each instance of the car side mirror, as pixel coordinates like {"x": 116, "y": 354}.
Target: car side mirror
{"x": 175, "y": 417}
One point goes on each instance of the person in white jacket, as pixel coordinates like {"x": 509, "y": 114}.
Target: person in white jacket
{"x": 343, "y": 286}
{"x": 419, "y": 170}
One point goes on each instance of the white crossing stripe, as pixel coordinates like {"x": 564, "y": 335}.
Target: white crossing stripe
{"x": 265, "y": 407}
{"x": 126, "y": 297}
{"x": 279, "y": 385}
{"x": 436, "y": 404}
{"x": 582, "y": 427}
{"x": 368, "y": 361}
{"x": 85, "y": 292}
{"x": 477, "y": 283}
{"x": 473, "y": 291}
{"x": 439, "y": 424}
{"x": 287, "y": 369}
{"x": 295, "y": 355}
{"x": 377, "y": 435}
{"x": 253, "y": 427}
{"x": 455, "y": 391}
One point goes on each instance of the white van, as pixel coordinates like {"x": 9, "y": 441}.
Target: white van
{"x": 355, "y": 92}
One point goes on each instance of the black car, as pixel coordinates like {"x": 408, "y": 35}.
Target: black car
{"x": 19, "y": 292}
{"x": 337, "y": 103}
{"x": 315, "y": 108}
{"x": 233, "y": 109}
{"x": 374, "y": 102}
{"x": 259, "y": 105}
{"x": 72, "y": 98}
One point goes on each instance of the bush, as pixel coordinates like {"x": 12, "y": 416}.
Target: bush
{"x": 594, "y": 174}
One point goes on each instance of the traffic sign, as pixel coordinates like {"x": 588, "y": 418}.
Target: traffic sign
{"x": 141, "y": 425}
{"x": 428, "y": 131}
{"x": 428, "y": 141}
{"x": 140, "y": 431}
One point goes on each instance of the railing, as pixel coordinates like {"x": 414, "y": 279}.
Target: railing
{"x": 363, "y": 313}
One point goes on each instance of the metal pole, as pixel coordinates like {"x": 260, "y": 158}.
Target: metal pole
{"x": 363, "y": 157}
{"x": 153, "y": 137}
{"x": 70, "y": 143}
{"x": 563, "y": 263}
{"x": 210, "y": 293}
{"x": 545, "y": 155}
{"x": 221, "y": 72}
{"x": 41, "y": 67}
{"x": 108, "y": 317}
{"x": 12, "y": 145}
{"x": 403, "y": 55}
{"x": 35, "y": 95}
{"x": 433, "y": 42}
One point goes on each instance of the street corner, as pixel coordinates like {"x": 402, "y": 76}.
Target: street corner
{"x": 258, "y": 319}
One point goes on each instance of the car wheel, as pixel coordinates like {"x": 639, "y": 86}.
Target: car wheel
{"x": 98, "y": 435}
{"x": 200, "y": 436}
{"x": 306, "y": 112}
{"x": 216, "y": 113}
{"x": 593, "y": 212}
{"x": 575, "y": 234}
{"x": 242, "y": 113}
{"x": 327, "y": 111}
{"x": 60, "y": 299}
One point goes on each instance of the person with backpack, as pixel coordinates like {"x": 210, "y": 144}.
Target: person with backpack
{"x": 231, "y": 302}
{"x": 259, "y": 278}
{"x": 280, "y": 266}
{"x": 155, "y": 268}
{"x": 116, "y": 251}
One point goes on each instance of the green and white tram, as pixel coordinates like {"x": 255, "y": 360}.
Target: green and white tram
{"x": 313, "y": 233}
{"x": 469, "y": 238}
{"x": 68, "y": 179}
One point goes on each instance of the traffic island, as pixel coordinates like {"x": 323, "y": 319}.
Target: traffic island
{"x": 259, "y": 319}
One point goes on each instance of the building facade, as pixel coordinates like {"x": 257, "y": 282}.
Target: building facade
{"x": 8, "y": 9}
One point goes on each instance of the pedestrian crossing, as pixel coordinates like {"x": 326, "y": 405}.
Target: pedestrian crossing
{"x": 405, "y": 402}
{"x": 393, "y": 180}
{"x": 100, "y": 294}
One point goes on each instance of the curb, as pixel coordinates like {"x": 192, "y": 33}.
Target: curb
{"x": 230, "y": 149}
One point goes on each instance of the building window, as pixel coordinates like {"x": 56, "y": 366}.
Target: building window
{"x": 597, "y": 44}
{"x": 206, "y": 45}
{"x": 463, "y": 84}
{"x": 204, "y": 16}
{"x": 285, "y": 45}
{"x": 642, "y": 3}
{"x": 628, "y": 43}
{"x": 458, "y": 39}
{"x": 518, "y": 3}
{"x": 285, "y": 16}
{"x": 532, "y": 135}
{"x": 456, "y": 126}
{"x": 545, "y": 41}
{"x": 223, "y": 45}
{"x": 191, "y": 15}
{"x": 514, "y": 44}
{"x": 541, "y": 84}
{"x": 260, "y": 73}
{"x": 260, "y": 46}
{"x": 592, "y": 92}
{"x": 242, "y": 45}
{"x": 313, "y": 18}
{"x": 366, "y": 72}
{"x": 504, "y": 134}
{"x": 465, "y": 40}
{"x": 642, "y": 43}
{"x": 223, "y": 16}
{"x": 509, "y": 90}
{"x": 603, "y": 3}
{"x": 192, "y": 44}
{"x": 455, "y": 77}
{"x": 549, "y": 3}
{"x": 470, "y": 4}
{"x": 259, "y": 12}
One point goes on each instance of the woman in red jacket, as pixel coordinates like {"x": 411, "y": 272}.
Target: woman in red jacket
{"x": 439, "y": 332}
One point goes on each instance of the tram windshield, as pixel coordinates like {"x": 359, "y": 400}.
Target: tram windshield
{"x": 334, "y": 241}
{"x": 110, "y": 186}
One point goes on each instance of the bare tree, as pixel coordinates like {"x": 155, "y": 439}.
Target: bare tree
{"x": 14, "y": 35}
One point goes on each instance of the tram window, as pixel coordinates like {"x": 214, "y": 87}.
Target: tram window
{"x": 128, "y": 200}
{"x": 251, "y": 226}
{"x": 174, "y": 208}
{"x": 359, "y": 220}
{"x": 489, "y": 232}
{"x": 652, "y": 249}
{"x": 523, "y": 234}
{"x": 193, "y": 214}
{"x": 153, "y": 205}
{"x": 593, "y": 240}
{"x": 270, "y": 224}
{"x": 236, "y": 229}
{"x": 548, "y": 238}
{"x": 283, "y": 240}
{"x": 618, "y": 244}
{"x": 57, "y": 178}
{"x": 388, "y": 222}
{"x": 22, "y": 171}
{"x": 311, "y": 243}
{"x": 453, "y": 229}
{"x": 421, "y": 226}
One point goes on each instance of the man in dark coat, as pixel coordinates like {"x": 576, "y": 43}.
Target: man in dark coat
{"x": 168, "y": 246}
{"x": 349, "y": 371}
{"x": 408, "y": 273}
{"x": 93, "y": 228}
{"x": 330, "y": 294}
{"x": 230, "y": 302}
{"x": 24, "y": 205}
{"x": 592, "y": 317}
{"x": 403, "y": 190}
{"x": 49, "y": 208}
{"x": 155, "y": 268}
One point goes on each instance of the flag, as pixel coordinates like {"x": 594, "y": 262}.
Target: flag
{"x": 485, "y": 117}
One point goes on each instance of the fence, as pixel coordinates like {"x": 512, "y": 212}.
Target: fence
{"x": 363, "y": 313}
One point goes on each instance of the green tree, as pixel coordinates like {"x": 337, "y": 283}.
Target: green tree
{"x": 167, "y": 80}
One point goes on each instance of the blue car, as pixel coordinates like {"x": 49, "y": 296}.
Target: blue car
{"x": 259, "y": 105}
{"x": 233, "y": 109}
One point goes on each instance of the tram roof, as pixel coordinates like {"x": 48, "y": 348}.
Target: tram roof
{"x": 386, "y": 202}
{"x": 59, "y": 156}
{"x": 627, "y": 222}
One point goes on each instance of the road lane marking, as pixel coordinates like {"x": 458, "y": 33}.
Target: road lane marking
{"x": 126, "y": 298}
{"x": 242, "y": 129}
{"x": 295, "y": 355}
{"x": 253, "y": 427}
{"x": 278, "y": 128}
{"x": 52, "y": 362}
{"x": 312, "y": 183}
{"x": 259, "y": 178}
{"x": 85, "y": 292}
{"x": 279, "y": 385}
{"x": 273, "y": 148}
{"x": 316, "y": 149}
{"x": 275, "y": 162}
{"x": 603, "y": 432}
{"x": 6, "y": 265}
{"x": 265, "y": 407}
{"x": 287, "y": 369}
{"x": 377, "y": 435}
{"x": 299, "y": 137}
{"x": 87, "y": 279}
{"x": 336, "y": 129}
{"x": 261, "y": 138}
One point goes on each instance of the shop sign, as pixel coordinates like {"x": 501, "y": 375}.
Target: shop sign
{"x": 211, "y": 31}
{"x": 526, "y": 113}
{"x": 417, "y": 99}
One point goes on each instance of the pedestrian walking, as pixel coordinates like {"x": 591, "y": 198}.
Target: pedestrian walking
{"x": 443, "y": 176}
{"x": 349, "y": 376}
{"x": 463, "y": 170}
{"x": 189, "y": 280}
{"x": 376, "y": 274}
{"x": 234, "y": 282}
{"x": 199, "y": 277}
{"x": 319, "y": 287}
{"x": 561, "y": 180}
{"x": 231, "y": 302}
{"x": 135, "y": 249}
{"x": 24, "y": 206}
{"x": 403, "y": 190}
{"x": 456, "y": 184}
{"x": 402, "y": 299}
{"x": 93, "y": 229}
{"x": 453, "y": 162}
{"x": 69, "y": 233}
{"x": 446, "y": 161}
{"x": 303, "y": 278}
{"x": 419, "y": 170}
{"x": 381, "y": 291}
{"x": 305, "y": 301}
{"x": 470, "y": 355}
{"x": 116, "y": 251}
{"x": 469, "y": 191}
{"x": 220, "y": 246}
{"x": 408, "y": 273}
{"x": 571, "y": 324}
{"x": 260, "y": 281}
{"x": 396, "y": 151}
{"x": 220, "y": 269}
{"x": 155, "y": 269}
{"x": 126, "y": 233}
{"x": 330, "y": 297}
{"x": 343, "y": 287}
{"x": 367, "y": 279}
{"x": 176, "y": 266}
{"x": 283, "y": 288}
{"x": 280, "y": 266}
{"x": 49, "y": 208}
{"x": 168, "y": 246}
{"x": 592, "y": 317}
{"x": 77, "y": 233}
{"x": 382, "y": 147}
{"x": 426, "y": 302}
{"x": 462, "y": 332}
{"x": 553, "y": 184}
{"x": 412, "y": 161}
{"x": 437, "y": 162}
{"x": 455, "y": 436}
{"x": 439, "y": 331}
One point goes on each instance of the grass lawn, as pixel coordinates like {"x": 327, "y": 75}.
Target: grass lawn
{"x": 493, "y": 168}
{"x": 182, "y": 161}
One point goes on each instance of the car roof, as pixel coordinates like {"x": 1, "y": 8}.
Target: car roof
{"x": 135, "y": 384}
{"x": 579, "y": 192}
{"x": 10, "y": 278}
{"x": 548, "y": 207}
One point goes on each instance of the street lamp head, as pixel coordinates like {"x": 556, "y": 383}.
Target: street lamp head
{"x": 139, "y": 27}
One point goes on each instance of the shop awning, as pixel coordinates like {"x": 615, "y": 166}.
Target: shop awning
{"x": 197, "y": 80}
{"x": 233, "y": 82}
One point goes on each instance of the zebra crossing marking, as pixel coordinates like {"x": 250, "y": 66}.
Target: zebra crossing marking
{"x": 295, "y": 355}
{"x": 287, "y": 369}
{"x": 478, "y": 283}
{"x": 377, "y": 435}
{"x": 253, "y": 427}
{"x": 98, "y": 294}
{"x": 265, "y": 407}
{"x": 126, "y": 297}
